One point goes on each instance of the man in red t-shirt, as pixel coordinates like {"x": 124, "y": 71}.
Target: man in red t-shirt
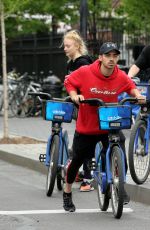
{"x": 102, "y": 79}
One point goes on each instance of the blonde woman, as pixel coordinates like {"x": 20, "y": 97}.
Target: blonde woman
{"x": 77, "y": 53}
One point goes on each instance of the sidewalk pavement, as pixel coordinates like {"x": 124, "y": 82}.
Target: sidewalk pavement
{"x": 27, "y": 155}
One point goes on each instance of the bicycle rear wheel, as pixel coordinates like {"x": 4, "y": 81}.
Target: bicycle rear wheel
{"x": 53, "y": 165}
{"x": 103, "y": 198}
{"x": 139, "y": 163}
{"x": 22, "y": 107}
{"x": 117, "y": 186}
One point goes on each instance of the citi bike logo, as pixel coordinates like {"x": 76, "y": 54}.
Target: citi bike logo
{"x": 60, "y": 112}
{"x": 114, "y": 118}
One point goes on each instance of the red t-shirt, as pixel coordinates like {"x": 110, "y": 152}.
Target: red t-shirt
{"x": 92, "y": 84}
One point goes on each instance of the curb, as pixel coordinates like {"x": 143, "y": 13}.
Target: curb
{"x": 138, "y": 193}
{"x": 23, "y": 162}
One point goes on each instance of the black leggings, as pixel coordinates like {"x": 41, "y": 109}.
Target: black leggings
{"x": 84, "y": 148}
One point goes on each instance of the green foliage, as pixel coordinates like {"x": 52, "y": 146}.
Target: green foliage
{"x": 133, "y": 15}
{"x": 24, "y": 26}
{"x": 15, "y": 11}
{"x": 136, "y": 15}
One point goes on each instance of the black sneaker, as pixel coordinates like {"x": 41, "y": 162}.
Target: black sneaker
{"x": 67, "y": 202}
{"x": 126, "y": 198}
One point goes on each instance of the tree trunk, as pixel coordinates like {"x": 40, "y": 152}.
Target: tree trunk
{"x": 83, "y": 18}
{"x": 4, "y": 67}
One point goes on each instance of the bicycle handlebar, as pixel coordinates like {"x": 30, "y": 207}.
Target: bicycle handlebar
{"x": 91, "y": 101}
{"x": 46, "y": 96}
{"x": 99, "y": 102}
{"x": 142, "y": 84}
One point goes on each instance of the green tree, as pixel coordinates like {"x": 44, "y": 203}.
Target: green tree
{"x": 136, "y": 14}
{"x": 25, "y": 20}
{"x": 67, "y": 11}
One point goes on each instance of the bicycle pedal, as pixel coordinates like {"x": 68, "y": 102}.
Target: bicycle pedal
{"x": 42, "y": 157}
{"x": 92, "y": 164}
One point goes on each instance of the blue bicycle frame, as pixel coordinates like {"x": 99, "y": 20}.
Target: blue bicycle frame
{"x": 63, "y": 146}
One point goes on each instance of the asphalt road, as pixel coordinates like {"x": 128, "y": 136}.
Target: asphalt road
{"x": 24, "y": 206}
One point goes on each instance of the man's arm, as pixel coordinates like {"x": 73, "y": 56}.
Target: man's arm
{"x": 133, "y": 71}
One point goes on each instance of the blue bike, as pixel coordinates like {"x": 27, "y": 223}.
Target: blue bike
{"x": 110, "y": 179}
{"x": 57, "y": 111}
{"x": 139, "y": 149}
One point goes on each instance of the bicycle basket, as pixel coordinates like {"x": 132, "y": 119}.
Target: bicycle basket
{"x": 115, "y": 117}
{"x": 58, "y": 111}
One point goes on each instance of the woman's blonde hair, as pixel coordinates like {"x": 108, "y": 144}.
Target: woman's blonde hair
{"x": 74, "y": 35}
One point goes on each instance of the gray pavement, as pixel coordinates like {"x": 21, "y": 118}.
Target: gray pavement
{"x": 27, "y": 155}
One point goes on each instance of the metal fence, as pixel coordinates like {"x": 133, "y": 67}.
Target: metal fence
{"x": 38, "y": 54}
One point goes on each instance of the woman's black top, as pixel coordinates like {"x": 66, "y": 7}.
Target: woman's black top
{"x": 143, "y": 61}
{"x": 78, "y": 62}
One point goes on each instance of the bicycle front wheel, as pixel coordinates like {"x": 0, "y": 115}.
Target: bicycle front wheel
{"x": 64, "y": 158}
{"x": 117, "y": 186}
{"x": 139, "y": 163}
{"x": 103, "y": 190}
{"x": 53, "y": 165}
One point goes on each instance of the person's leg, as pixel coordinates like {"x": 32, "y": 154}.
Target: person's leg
{"x": 83, "y": 148}
{"x": 86, "y": 185}
{"x": 86, "y": 169}
{"x": 73, "y": 167}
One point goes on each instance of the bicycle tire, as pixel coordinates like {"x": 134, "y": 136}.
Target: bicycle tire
{"x": 139, "y": 163}
{"x": 64, "y": 158}
{"x": 103, "y": 190}
{"x": 53, "y": 165}
{"x": 117, "y": 186}
{"x": 103, "y": 198}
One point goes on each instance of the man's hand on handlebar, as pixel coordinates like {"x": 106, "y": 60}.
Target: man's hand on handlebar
{"x": 141, "y": 99}
{"x": 77, "y": 98}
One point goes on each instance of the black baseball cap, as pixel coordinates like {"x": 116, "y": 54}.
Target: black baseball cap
{"x": 107, "y": 47}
